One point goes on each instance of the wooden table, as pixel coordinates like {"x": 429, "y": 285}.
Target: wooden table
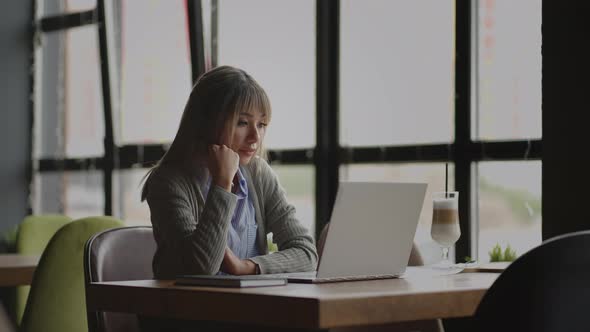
{"x": 17, "y": 269}
{"x": 415, "y": 297}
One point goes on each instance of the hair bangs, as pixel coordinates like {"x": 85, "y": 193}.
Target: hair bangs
{"x": 253, "y": 99}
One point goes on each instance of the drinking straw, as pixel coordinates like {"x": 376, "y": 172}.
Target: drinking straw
{"x": 446, "y": 179}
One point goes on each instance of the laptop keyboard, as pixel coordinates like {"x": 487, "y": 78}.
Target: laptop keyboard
{"x": 355, "y": 278}
{"x": 312, "y": 276}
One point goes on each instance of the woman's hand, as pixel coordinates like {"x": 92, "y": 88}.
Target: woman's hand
{"x": 233, "y": 265}
{"x": 223, "y": 164}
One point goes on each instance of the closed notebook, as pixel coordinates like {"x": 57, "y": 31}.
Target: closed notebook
{"x": 230, "y": 281}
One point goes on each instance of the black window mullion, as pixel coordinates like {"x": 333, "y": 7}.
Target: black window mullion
{"x": 291, "y": 157}
{"x": 30, "y": 146}
{"x": 131, "y": 156}
{"x": 69, "y": 164}
{"x": 197, "y": 46}
{"x": 67, "y": 21}
{"x": 110, "y": 158}
{"x": 511, "y": 150}
{"x": 146, "y": 155}
{"x": 474, "y": 151}
{"x": 214, "y": 32}
{"x": 460, "y": 154}
{"x": 395, "y": 154}
{"x": 327, "y": 146}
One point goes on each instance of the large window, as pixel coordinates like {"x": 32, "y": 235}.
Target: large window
{"x": 396, "y": 60}
{"x": 152, "y": 80}
{"x": 154, "y": 72}
{"x": 508, "y": 59}
{"x": 507, "y": 106}
{"x": 69, "y": 126}
{"x": 404, "y": 103}
{"x": 70, "y": 105}
{"x": 75, "y": 194}
{"x": 298, "y": 182}
{"x": 130, "y": 208}
{"x": 407, "y": 87}
{"x": 509, "y": 206}
{"x": 274, "y": 41}
{"x": 278, "y": 49}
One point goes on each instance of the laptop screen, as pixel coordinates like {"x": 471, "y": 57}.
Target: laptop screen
{"x": 372, "y": 229}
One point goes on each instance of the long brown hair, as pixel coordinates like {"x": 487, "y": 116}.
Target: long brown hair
{"x": 210, "y": 116}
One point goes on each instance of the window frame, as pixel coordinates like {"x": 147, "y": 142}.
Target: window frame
{"x": 327, "y": 156}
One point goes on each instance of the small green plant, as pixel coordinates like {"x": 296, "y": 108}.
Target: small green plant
{"x": 272, "y": 247}
{"x": 509, "y": 254}
{"x": 497, "y": 255}
{"x": 468, "y": 260}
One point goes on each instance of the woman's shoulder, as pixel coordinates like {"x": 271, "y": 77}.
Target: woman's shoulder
{"x": 171, "y": 177}
{"x": 165, "y": 173}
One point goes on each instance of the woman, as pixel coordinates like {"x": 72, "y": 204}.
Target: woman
{"x": 213, "y": 197}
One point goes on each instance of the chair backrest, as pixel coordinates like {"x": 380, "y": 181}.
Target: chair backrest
{"x": 57, "y": 299}
{"x": 118, "y": 254}
{"x": 34, "y": 232}
{"x": 546, "y": 289}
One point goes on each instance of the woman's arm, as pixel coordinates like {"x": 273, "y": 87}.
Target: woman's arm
{"x": 297, "y": 252}
{"x": 198, "y": 242}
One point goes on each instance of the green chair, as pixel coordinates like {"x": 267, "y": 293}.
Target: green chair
{"x": 57, "y": 299}
{"x": 32, "y": 237}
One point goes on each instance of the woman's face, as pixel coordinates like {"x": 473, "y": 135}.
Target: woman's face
{"x": 249, "y": 132}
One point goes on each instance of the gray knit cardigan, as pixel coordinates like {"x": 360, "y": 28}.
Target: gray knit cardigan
{"x": 191, "y": 233}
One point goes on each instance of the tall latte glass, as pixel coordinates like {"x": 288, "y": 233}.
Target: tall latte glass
{"x": 445, "y": 222}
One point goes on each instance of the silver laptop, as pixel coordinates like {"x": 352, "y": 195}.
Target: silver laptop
{"x": 371, "y": 232}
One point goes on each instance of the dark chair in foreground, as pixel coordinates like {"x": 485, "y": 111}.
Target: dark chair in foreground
{"x": 546, "y": 289}
{"x": 118, "y": 254}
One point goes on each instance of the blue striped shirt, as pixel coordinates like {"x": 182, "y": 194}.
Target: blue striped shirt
{"x": 241, "y": 238}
